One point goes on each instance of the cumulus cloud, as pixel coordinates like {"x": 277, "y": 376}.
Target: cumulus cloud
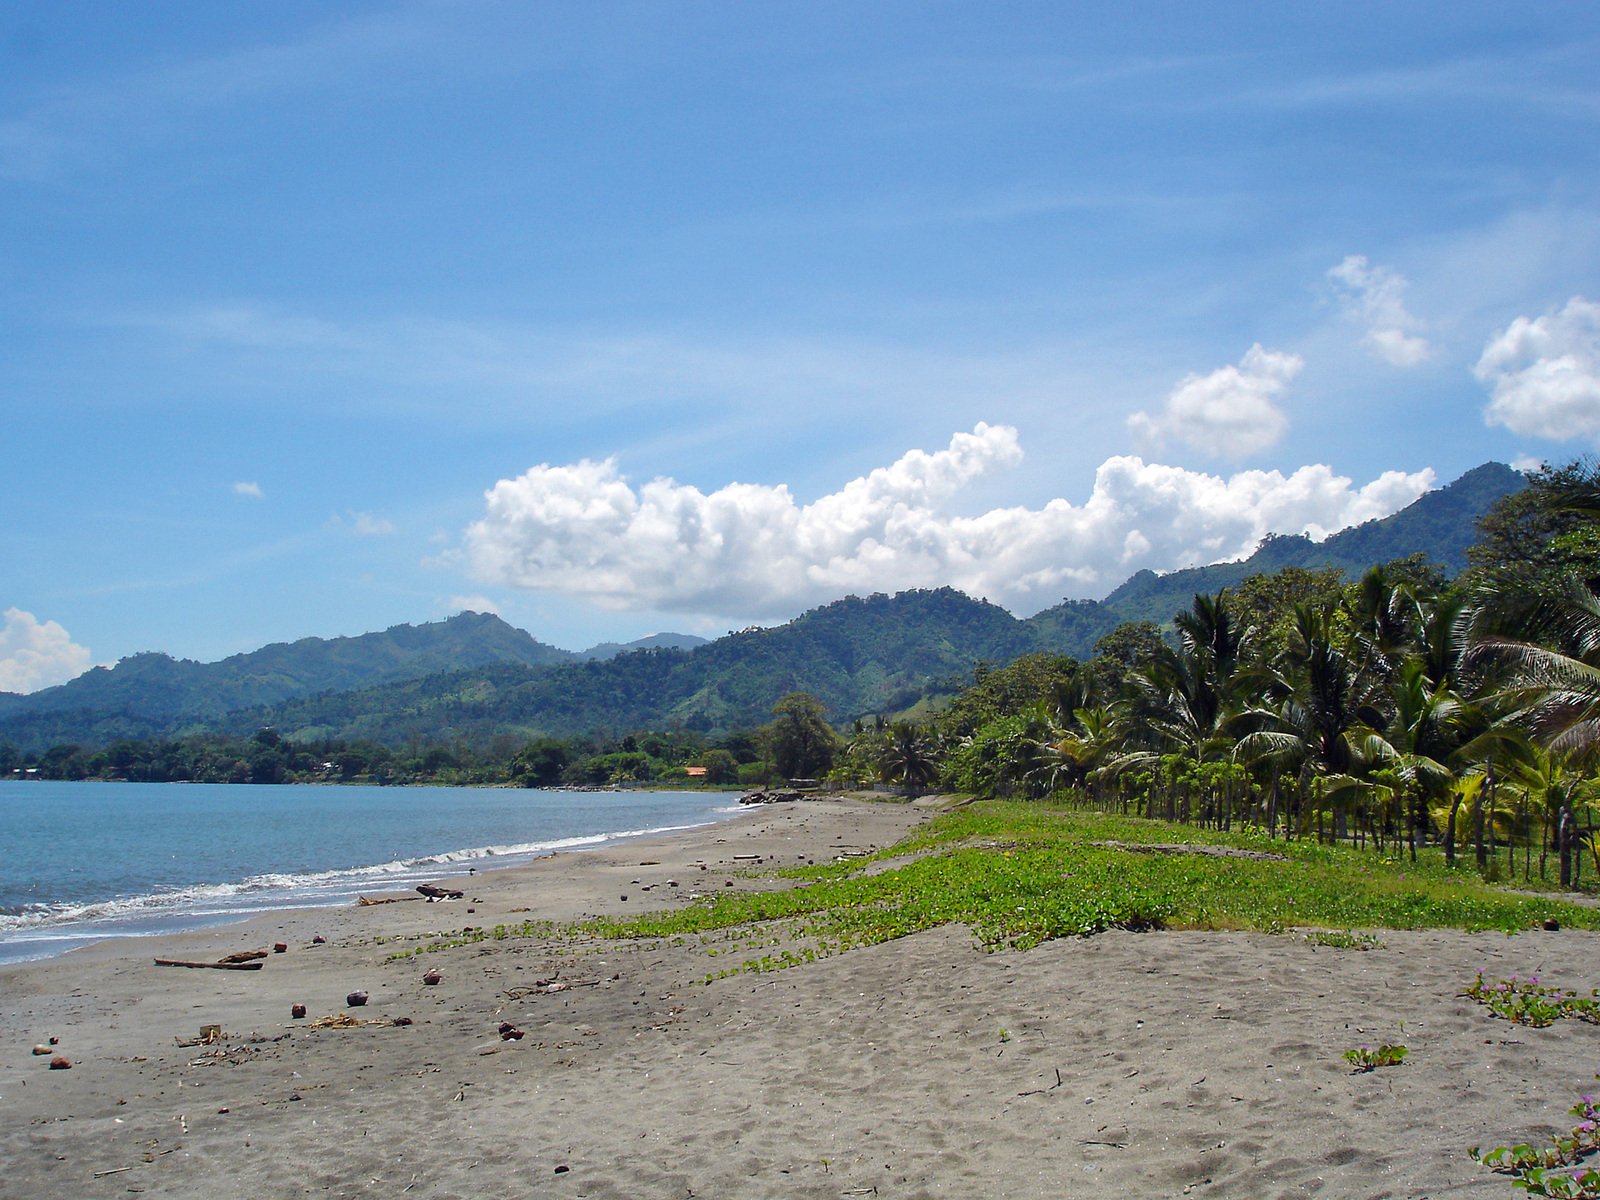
{"x": 1230, "y": 413}
{"x": 1543, "y": 374}
{"x": 245, "y": 488}
{"x": 1375, "y": 296}
{"x": 35, "y": 654}
{"x": 750, "y": 551}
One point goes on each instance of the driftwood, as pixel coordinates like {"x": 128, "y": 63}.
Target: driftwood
{"x": 365, "y": 901}
{"x": 435, "y": 892}
{"x": 243, "y": 956}
{"x": 224, "y": 965}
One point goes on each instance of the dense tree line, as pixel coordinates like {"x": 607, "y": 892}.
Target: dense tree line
{"x": 1398, "y": 711}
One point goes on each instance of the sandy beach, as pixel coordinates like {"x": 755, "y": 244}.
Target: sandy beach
{"x": 1149, "y": 1064}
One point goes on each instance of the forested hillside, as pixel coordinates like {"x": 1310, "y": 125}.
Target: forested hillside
{"x": 475, "y": 678}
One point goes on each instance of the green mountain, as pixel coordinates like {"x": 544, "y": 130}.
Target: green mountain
{"x": 859, "y": 656}
{"x": 656, "y": 641}
{"x": 1440, "y": 524}
{"x": 476, "y": 677}
{"x": 149, "y": 693}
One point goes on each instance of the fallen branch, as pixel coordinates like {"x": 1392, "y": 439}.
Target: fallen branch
{"x": 224, "y": 965}
{"x": 366, "y": 902}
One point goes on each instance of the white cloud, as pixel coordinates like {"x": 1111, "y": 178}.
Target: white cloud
{"x": 750, "y": 551}
{"x": 244, "y": 488}
{"x": 1375, "y": 297}
{"x": 364, "y": 524}
{"x": 477, "y": 604}
{"x": 1230, "y": 413}
{"x": 1527, "y": 464}
{"x": 1543, "y": 374}
{"x": 36, "y": 655}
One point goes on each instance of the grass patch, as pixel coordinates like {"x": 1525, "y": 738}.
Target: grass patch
{"x": 1017, "y": 874}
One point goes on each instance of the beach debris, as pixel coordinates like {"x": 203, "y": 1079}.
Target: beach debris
{"x": 624, "y": 897}
{"x": 280, "y": 947}
{"x": 355, "y": 999}
{"x": 562, "y": 1169}
{"x": 509, "y": 1032}
{"x": 54, "y": 1041}
{"x": 402, "y": 1021}
{"x": 61, "y": 1063}
{"x": 773, "y": 797}
{"x": 319, "y": 940}
{"x": 367, "y": 901}
{"x": 346, "y": 1021}
{"x": 1551, "y": 924}
{"x": 297, "y": 1012}
{"x": 432, "y": 976}
{"x": 41, "y": 1049}
{"x": 433, "y": 891}
{"x": 254, "y": 964}
{"x": 243, "y": 956}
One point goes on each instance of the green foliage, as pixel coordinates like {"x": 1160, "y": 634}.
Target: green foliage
{"x": 1370, "y": 1058}
{"x": 1528, "y": 1002}
{"x": 1535, "y": 541}
{"x": 1020, "y": 873}
{"x": 799, "y": 740}
{"x": 1555, "y": 1168}
{"x": 1001, "y": 691}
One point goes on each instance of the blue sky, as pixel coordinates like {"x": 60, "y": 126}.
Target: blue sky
{"x": 619, "y": 317}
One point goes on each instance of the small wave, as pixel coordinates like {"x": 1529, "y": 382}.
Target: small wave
{"x": 275, "y": 890}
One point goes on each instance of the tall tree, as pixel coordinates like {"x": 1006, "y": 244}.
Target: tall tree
{"x": 799, "y": 740}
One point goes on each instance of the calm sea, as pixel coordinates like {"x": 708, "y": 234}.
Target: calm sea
{"x": 81, "y": 862}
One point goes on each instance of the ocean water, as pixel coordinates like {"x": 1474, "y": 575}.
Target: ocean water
{"x": 82, "y": 862}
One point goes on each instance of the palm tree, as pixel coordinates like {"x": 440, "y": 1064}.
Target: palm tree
{"x": 1319, "y": 697}
{"x": 908, "y": 755}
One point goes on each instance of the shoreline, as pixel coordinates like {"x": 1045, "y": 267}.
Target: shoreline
{"x": 177, "y": 907}
{"x": 1160, "y": 1063}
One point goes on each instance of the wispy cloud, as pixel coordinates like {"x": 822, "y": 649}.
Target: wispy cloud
{"x": 746, "y": 551}
{"x": 97, "y": 118}
{"x": 248, "y": 488}
{"x": 1374, "y": 296}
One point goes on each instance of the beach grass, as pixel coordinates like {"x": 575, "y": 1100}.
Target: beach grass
{"x": 1017, "y": 874}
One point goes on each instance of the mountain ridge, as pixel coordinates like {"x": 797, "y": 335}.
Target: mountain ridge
{"x": 474, "y": 675}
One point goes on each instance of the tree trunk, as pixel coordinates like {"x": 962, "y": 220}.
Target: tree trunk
{"x": 1564, "y": 839}
{"x": 1477, "y": 821}
{"x": 1450, "y": 833}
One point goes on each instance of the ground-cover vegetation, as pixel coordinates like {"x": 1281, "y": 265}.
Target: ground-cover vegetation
{"x": 1019, "y": 873}
{"x": 1556, "y": 1168}
{"x": 1370, "y": 1058}
{"x": 1529, "y": 1002}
